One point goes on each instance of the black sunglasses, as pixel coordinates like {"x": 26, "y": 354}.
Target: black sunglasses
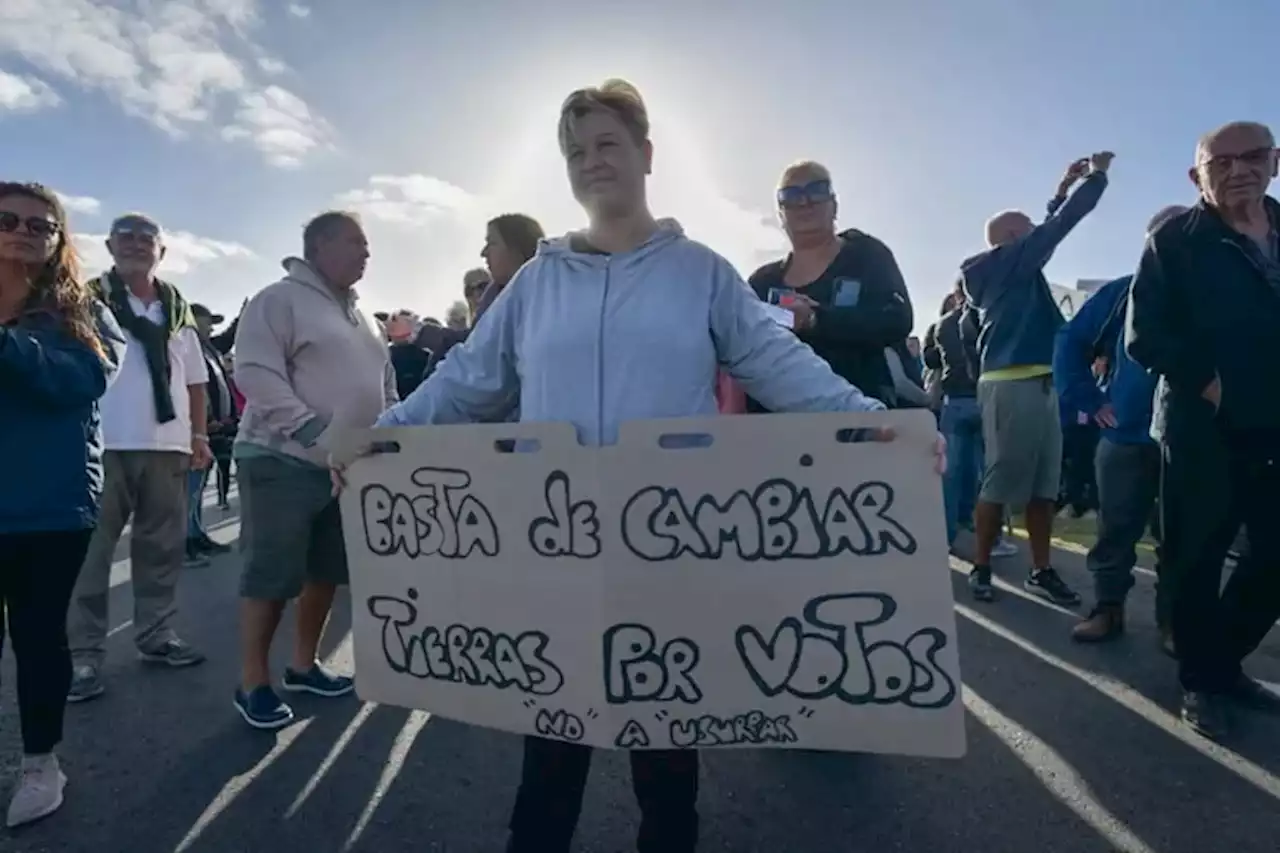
{"x": 36, "y": 226}
{"x": 814, "y": 192}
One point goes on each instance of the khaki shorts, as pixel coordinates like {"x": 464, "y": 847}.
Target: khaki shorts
{"x": 1023, "y": 438}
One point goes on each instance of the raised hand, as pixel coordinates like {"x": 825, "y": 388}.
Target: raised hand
{"x": 1101, "y": 161}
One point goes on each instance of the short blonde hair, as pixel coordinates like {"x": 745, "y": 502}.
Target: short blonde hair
{"x": 614, "y": 96}
{"x": 804, "y": 167}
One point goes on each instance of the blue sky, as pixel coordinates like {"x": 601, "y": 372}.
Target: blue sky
{"x": 232, "y": 121}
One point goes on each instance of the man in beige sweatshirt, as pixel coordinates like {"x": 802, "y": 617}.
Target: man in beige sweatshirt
{"x": 310, "y": 364}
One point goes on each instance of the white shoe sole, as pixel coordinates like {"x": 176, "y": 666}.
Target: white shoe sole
{"x": 305, "y": 688}
{"x": 23, "y": 820}
{"x": 259, "y": 724}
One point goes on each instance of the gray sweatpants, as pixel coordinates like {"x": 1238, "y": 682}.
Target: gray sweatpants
{"x": 151, "y": 488}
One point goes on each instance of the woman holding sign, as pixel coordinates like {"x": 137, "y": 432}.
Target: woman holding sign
{"x": 625, "y": 320}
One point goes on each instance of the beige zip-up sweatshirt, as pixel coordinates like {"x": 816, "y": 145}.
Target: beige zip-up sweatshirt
{"x": 310, "y": 364}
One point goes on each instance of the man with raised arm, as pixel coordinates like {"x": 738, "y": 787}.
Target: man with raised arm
{"x": 1016, "y": 319}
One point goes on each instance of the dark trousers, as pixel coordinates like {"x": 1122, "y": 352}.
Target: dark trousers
{"x": 555, "y": 776}
{"x": 1079, "y": 488}
{"x": 37, "y": 576}
{"x": 1128, "y": 484}
{"x": 1212, "y": 481}
{"x": 223, "y": 464}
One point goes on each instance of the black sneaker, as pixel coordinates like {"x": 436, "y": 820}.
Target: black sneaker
{"x": 208, "y": 546}
{"x": 317, "y": 680}
{"x": 1205, "y": 714}
{"x": 86, "y": 684}
{"x": 1048, "y": 585}
{"x": 262, "y": 708}
{"x": 980, "y": 584}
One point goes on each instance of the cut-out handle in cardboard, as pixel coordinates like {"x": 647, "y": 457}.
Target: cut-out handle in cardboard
{"x": 685, "y": 440}
{"x": 854, "y": 435}
{"x": 514, "y": 445}
{"x": 379, "y": 448}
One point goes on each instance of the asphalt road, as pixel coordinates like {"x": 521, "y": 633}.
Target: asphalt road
{"x": 1070, "y": 749}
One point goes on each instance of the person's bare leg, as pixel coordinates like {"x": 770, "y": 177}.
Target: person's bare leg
{"x": 988, "y": 521}
{"x": 258, "y": 622}
{"x": 313, "y": 612}
{"x": 1039, "y": 521}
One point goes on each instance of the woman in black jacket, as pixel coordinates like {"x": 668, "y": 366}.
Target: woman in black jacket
{"x": 59, "y": 348}
{"x": 843, "y": 289}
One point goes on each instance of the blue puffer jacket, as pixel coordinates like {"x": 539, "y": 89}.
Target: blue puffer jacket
{"x": 50, "y": 384}
{"x": 1098, "y": 329}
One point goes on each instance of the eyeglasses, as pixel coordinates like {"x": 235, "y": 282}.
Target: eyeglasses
{"x": 36, "y": 226}
{"x": 147, "y": 236}
{"x": 1258, "y": 158}
{"x": 814, "y": 192}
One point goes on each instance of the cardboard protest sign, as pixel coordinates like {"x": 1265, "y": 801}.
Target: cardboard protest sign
{"x": 752, "y": 581}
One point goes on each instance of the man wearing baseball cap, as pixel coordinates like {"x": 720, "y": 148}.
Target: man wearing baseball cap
{"x": 154, "y": 431}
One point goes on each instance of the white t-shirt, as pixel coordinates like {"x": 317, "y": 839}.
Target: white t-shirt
{"x": 129, "y": 407}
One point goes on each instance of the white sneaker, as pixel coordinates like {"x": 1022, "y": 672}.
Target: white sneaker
{"x": 39, "y": 793}
{"x": 1003, "y": 548}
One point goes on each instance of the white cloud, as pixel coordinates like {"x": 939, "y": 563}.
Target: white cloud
{"x": 178, "y": 64}
{"x": 280, "y": 124}
{"x": 299, "y": 11}
{"x": 25, "y": 93}
{"x": 84, "y": 204}
{"x": 410, "y": 200}
{"x": 271, "y": 65}
{"x": 184, "y": 252}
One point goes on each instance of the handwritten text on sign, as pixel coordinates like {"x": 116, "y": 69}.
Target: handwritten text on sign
{"x": 697, "y": 611}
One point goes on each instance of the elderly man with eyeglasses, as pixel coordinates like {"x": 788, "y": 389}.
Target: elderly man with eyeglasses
{"x": 1203, "y": 310}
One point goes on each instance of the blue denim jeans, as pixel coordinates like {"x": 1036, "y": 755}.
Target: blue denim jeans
{"x": 962, "y": 426}
{"x": 196, "y": 481}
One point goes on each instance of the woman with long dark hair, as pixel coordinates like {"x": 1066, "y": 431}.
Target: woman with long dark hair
{"x": 59, "y": 348}
{"x": 510, "y": 241}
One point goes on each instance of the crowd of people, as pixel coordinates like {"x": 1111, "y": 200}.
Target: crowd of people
{"x": 122, "y": 397}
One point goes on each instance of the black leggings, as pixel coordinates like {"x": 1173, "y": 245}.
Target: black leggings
{"x": 224, "y": 477}
{"x": 38, "y": 573}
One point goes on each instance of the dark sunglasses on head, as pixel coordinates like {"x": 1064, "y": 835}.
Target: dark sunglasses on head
{"x": 1254, "y": 159}
{"x": 814, "y": 192}
{"x": 37, "y": 226}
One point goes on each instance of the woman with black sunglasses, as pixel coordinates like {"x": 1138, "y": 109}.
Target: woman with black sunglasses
{"x": 59, "y": 347}
{"x": 843, "y": 289}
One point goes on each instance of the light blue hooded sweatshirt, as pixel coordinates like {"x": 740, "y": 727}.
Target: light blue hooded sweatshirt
{"x": 597, "y": 340}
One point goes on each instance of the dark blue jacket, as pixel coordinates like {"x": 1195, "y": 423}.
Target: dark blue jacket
{"x": 1017, "y": 315}
{"x": 1203, "y": 304}
{"x": 1097, "y": 329}
{"x": 50, "y": 384}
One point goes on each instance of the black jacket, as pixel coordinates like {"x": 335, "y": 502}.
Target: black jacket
{"x": 863, "y": 307}
{"x": 410, "y": 362}
{"x": 945, "y": 349}
{"x": 1202, "y": 305}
